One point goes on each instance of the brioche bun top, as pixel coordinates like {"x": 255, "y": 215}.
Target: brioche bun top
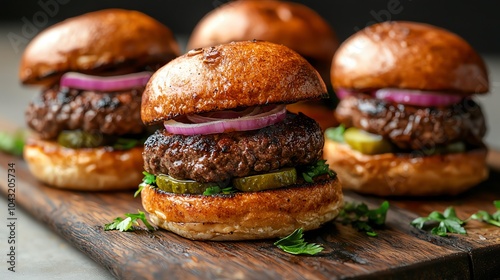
{"x": 228, "y": 76}
{"x": 408, "y": 55}
{"x": 97, "y": 42}
{"x": 291, "y": 24}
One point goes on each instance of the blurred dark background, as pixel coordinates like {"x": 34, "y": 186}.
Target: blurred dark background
{"x": 477, "y": 21}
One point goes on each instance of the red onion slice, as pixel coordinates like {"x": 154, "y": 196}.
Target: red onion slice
{"x": 245, "y": 123}
{"x": 343, "y": 92}
{"x": 111, "y": 83}
{"x": 417, "y": 97}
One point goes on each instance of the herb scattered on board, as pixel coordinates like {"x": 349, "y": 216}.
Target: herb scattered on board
{"x": 450, "y": 223}
{"x": 295, "y": 244}
{"x": 335, "y": 133}
{"x": 362, "y": 218}
{"x": 12, "y": 143}
{"x": 319, "y": 168}
{"x": 492, "y": 219}
{"x": 126, "y": 224}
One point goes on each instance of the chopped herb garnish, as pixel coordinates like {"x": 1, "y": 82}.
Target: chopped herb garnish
{"x": 126, "y": 224}
{"x": 295, "y": 244}
{"x": 492, "y": 219}
{"x": 448, "y": 222}
{"x": 139, "y": 190}
{"x": 319, "y": 168}
{"x": 362, "y": 218}
{"x": 336, "y": 133}
{"x": 125, "y": 143}
{"x": 149, "y": 179}
{"x": 216, "y": 190}
{"x": 12, "y": 143}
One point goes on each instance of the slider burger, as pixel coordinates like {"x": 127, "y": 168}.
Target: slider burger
{"x": 231, "y": 163}
{"x": 291, "y": 24}
{"x": 411, "y": 125}
{"x": 86, "y": 121}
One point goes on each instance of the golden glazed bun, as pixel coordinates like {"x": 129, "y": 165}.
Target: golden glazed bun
{"x": 95, "y": 169}
{"x": 243, "y": 216}
{"x": 94, "y": 42}
{"x": 408, "y": 55}
{"x": 227, "y": 76}
{"x": 291, "y": 24}
{"x": 406, "y": 175}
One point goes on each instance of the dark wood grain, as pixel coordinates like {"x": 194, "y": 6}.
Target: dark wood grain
{"x": 399, "y": 252}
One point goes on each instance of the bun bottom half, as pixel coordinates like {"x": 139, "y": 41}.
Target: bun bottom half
{"x": 406, "y": 175}
{"x": 89, "y": 169}
{"x": 244, "y": 216}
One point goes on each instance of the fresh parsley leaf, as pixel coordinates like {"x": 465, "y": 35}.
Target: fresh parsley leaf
{"x": 492, "y": 219}
{"x": 319, "y": 168}
{"x": 12, "y": 143}
{"x": 336, "y": 133}
{"x": 448, "y": 222}
{"x": 295, "y": 244}
{"x": 497, "y": 204}
{"x": 362, "y": 218}
{"x": 217, "y": 189}
{"x": 126, "y": 224}
{"x": 125, "y": 143}
{"x": 149, "y": 179}
{"x": 139, "y": 190}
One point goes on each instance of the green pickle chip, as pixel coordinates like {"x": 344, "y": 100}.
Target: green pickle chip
{"x": 272, "y": 180}
{"x": 79, "y": 139}
{"x": 170, "y": 184}
{"x": 365, "y": 142}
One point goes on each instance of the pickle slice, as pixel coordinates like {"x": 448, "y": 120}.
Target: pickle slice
{"x": 79, "y": 139}
{"x": 365, "y": 142}
{"x": 272, "y": 180}
{"x": 457, "y": 147}
{"x": 170, "y": 184}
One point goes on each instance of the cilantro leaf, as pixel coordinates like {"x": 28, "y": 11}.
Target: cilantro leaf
{"x": 126, "y": 224}
{"x": 335, "y": 133}
{"x": 448, "y": 222}
{"x": 492, "y": 219}
{"x": 12, "y": 143}
{"x": 362, "y": 218}
{"x": 217, "y": 189}
{"x": 319, "y": 168}
{"x": 295, "y": 244}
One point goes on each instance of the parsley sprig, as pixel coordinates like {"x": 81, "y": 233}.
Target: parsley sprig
{"x": 217, "y": 189}
{"x": 335, "y": 133}
{"x": 295, "y": 244}
{"x": 126, "y": 224}
{"x": 448, "y": 222}
{"x": 319, "y": 168}
{"x": 12, "y": 143}
{"x": 362, "y": 218}
{"x": 492, "y": 219}
{"x": 148, "y": 179}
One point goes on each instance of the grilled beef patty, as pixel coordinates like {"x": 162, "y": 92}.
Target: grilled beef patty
{"x": 298, "y": 140}
{"x": 57, "y": 109}
{"x": 413, "y": 127}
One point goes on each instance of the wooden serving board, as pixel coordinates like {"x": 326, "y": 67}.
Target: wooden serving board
{"x": 399, "y": 252}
